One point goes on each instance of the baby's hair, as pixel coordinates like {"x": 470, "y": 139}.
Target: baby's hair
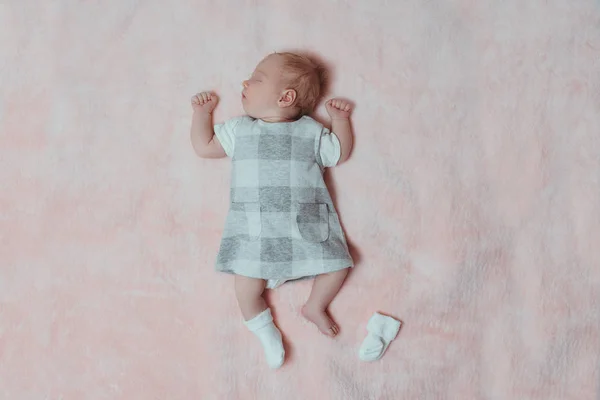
{"x": 306, "y": 77}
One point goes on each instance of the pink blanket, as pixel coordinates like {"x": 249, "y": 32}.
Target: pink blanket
{"x": 472, "y": 200}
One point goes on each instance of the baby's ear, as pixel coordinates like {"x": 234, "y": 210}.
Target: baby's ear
{"x": 288, "y": 98}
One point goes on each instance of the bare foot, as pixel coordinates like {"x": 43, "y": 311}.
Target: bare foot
{"x": 321, "y": 320}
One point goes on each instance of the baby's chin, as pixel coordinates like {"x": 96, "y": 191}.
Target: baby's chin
{"x": 250, "y": 113}
{"x": 246, "y": 111}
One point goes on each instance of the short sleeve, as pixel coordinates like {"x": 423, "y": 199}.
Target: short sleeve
{"x": 225, "y": 133}
{"x": 329, "y": 149}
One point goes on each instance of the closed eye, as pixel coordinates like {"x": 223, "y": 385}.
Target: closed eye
{"x": 255, "y": 77}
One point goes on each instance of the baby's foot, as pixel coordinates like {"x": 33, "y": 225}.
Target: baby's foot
{"x": 321, "y": 320}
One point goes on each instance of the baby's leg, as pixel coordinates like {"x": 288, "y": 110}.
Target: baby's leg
{"x": 324, "y": 289}
{"x": 249, "y": 293}
{"x": 258, "y": 318}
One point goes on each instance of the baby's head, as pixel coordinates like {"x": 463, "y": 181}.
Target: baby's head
{"x": 284, "y": 86}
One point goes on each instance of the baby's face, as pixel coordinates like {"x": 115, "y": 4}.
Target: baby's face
{"x": 264, "y": 88}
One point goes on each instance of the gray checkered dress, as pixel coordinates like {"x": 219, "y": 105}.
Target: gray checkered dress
{"x": 282, "y": 223}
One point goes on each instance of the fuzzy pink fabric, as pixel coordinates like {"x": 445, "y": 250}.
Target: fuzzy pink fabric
{"x": 472, "y": 200}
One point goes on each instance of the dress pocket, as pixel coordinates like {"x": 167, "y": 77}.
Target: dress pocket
{"x": 313, "y": 221}
{"x": 253, "y": 220}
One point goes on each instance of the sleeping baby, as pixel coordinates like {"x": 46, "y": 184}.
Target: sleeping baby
{"x": 282, "y": 224}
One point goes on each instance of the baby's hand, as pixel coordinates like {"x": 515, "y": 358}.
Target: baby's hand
{"x": 205, "y": 102}
{"x": 338, "y": 109}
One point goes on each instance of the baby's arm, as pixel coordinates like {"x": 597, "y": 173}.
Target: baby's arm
{"x": 339, "y": 111}
{"x": 202, "y": 132}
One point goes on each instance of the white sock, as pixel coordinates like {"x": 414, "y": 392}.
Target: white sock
{"x": 381, "y": 331}
{"x": 263, "y": 327}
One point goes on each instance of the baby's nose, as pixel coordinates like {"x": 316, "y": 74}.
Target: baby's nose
{"x": 245, "y": 84}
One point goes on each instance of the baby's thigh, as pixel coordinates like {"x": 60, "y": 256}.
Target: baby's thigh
{"x": 249, "y": 287}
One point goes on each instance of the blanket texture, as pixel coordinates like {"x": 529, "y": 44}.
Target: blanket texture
{"x": 471, "y": 201}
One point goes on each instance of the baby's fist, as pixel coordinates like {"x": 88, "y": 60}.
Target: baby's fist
{"x": 205, "y": 102}
{"x": 338, "y": 108}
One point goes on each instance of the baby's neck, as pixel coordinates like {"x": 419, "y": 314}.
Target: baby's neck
{"x": 281, "y": 116}
{"x": 279, "y": 119}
